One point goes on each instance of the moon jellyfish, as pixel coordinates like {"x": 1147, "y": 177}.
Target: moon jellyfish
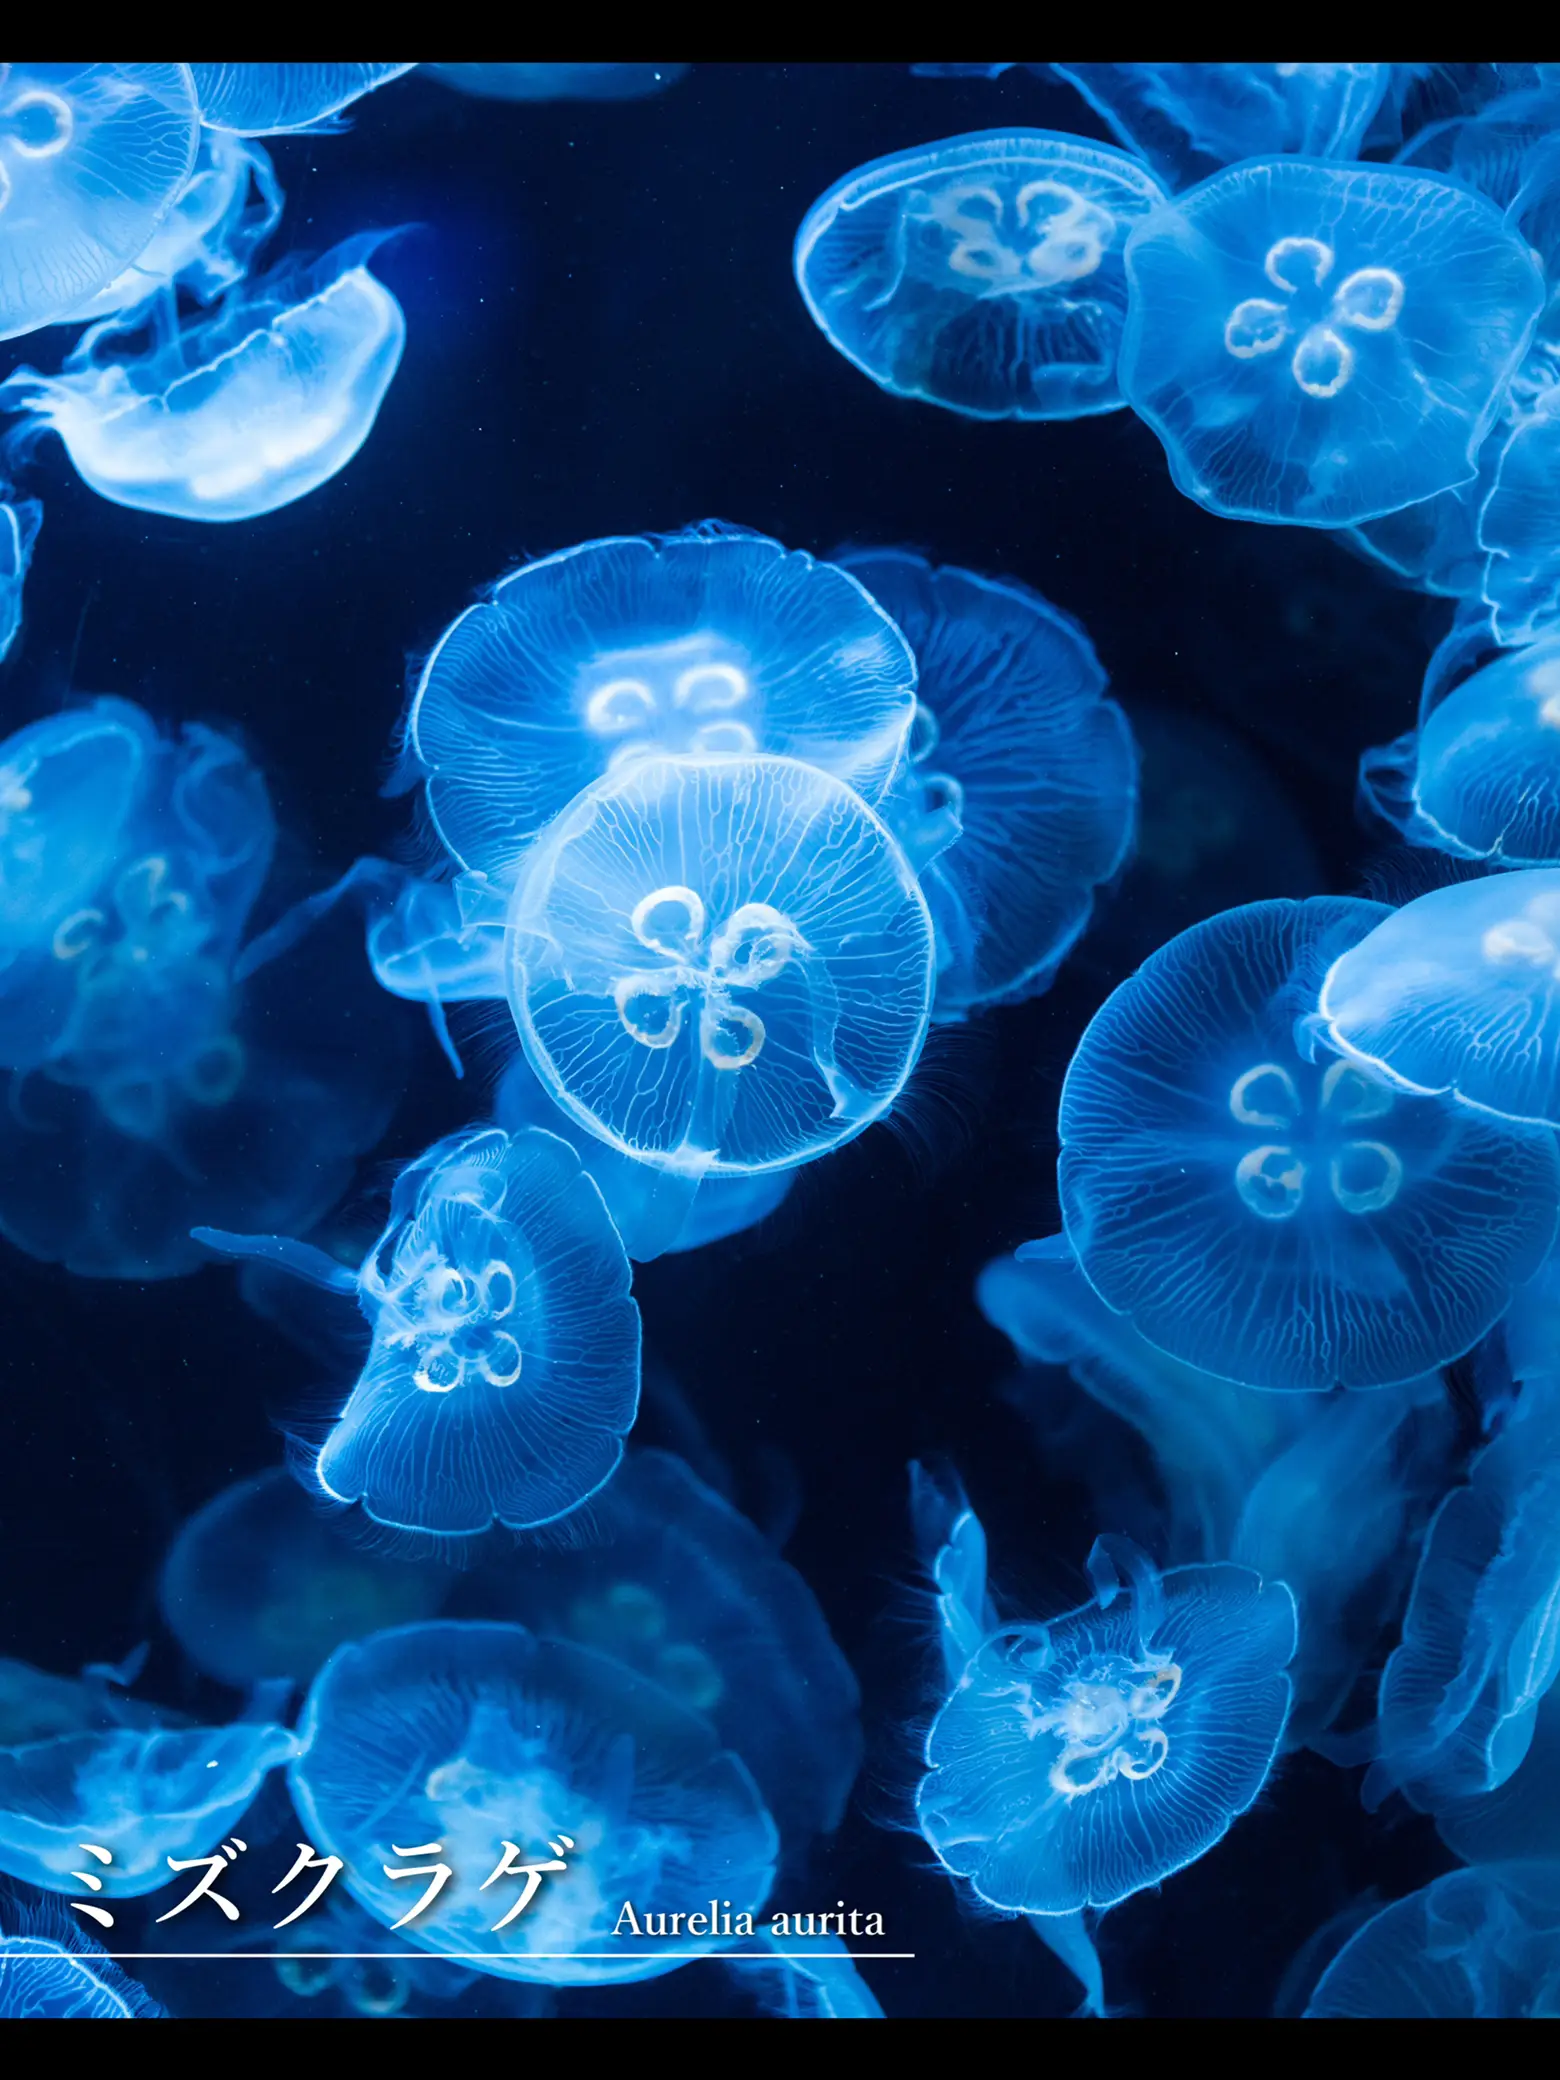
{"x": 1474, "y": 1944}
{"x": 1459, "y": 993}
{"x": 19, "y": 526}
{"x": 1321, "y": 344}
{"x": 712, "y": 641}
{"x": 232, "y": 415}
{"x": 50, "y": 1970}
{"x": 981, "y": 273}
{"x": 259, "y": 1586}
{"x": 141, "y": 1797}
{"x": 473, "y": 1736}
{"x": 668, "y": 1579}
{"x": 92, "y": 158}
{"x": 1519, "y": 523}
{"x": 504, "y": 1369}
{"x": 264, "y": 100}
{"x": 1280, "y": 1222}
{"x": 721, "y": 965}
{"x": 1017, "y": 744}
{"x": 557, "y": 82}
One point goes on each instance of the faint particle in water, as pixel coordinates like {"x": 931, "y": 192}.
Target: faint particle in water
{"x": 19, "y": 524}
{"x": 266, "y": 100}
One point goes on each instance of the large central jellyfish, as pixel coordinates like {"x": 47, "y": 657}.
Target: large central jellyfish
{"x": 1280, "y": 1222}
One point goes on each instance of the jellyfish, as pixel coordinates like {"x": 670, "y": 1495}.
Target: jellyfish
{"x": 479, "y": 1738}
{"x": 665, "y": 1577}
{"x": 1473, "y": 1944}
{"x": 812, "y": 1979}
{"x": 51, "y": 1970}
{"x": 231, "y": 415}
{"x": 340, "y": 1951}
{"x": 1480, "y": 777}
{"x": 981, "y": 273}
{"x": 557, "y": 82}
{"x": 92, "y": 159}
{"x": 1519, "y": 523}
{"x": 504, "y": 1369}
{"x": 1016, "y": 741}
{"x": 19, "y": 524}
{"x": 35, "y": 1705}
{"x": 1433, "y": 546}
{"x": 260, "y": 1586}
{"x": 1319, "y": 344}
{"x": 1459, "y": 993}
{"x": 721, "y": 965}
{"x": 140, "y": 1797}
{"x": 1282, "y": 1222}
{"x": 713, "y": 641}
{"x": 265, "y": 100}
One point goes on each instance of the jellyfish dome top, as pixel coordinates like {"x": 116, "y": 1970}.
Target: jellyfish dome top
{"x": 720, "y": 965}
{"x": 714, "y": 641}
{"x": 19, "y": 526}
{"x": 557, "y": 82}
{"x": 1282, "y": 1222}
{"x": 231, "y": 415}
{"x": 504, "y": 1369}
{"x": 1321, "y": 344}
{"x": 1475, "y": 1944}
{"x": 1080, "y": 1761}
{"x": 50, "y": 1970}
{"x": 1459, "y": 992}
{"x": 485, "y": 1748}
{"x": 265, "y": 100}
{"x": 982, "y": 273}
{"x": 92, "y": 158}
{"x": 1018, "y": 745}
{"x": 1480, "y": 777}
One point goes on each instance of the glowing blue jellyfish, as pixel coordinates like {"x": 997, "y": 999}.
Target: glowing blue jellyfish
{"x": 557, "y": 82}
{"x": 260, "y": 1586}
{"x": 1459, "y": 992}
{"x": 1285, "y": 1223}
{"x": 230, "y": 415}
{"x": 474, "y": 1736}
{"x": 50, "y": 1970}
{"x": 19, "y": 526}
{"x": 1474, "y": 1944}
{"x": 712, "y": 641}
{"x": 141, "y": 1797}
{"x": 722, "y": 965}
{"x": 1519, "y": 523}
{"x": 504, "y": 1370}
{"x": 1321, "y": 344}
{"x": 668, "y": 1579}
{"x": 92, "y": 158}
{"x": 982, "y": 273}
{"x": 1017, "y": 746}
{"x": 265, "y": 100}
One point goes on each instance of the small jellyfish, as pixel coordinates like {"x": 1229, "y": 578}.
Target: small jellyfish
{"x": 51, "y": 1970}
{"x": 1473, "y": 1944}
{"x": 713, "y": 641}
{"x": 1459, "y": 993}
{"x": 504, "y": 1369}
{"x": 19, "y": 526}
{"x": 260, "y": 1586}
{"x": 1019, "y": 746}
{"x": 981, "y": 273}
{"x": 232, "y": 415}
{"x": 720, "y": 965}
{"x": 265, "y": 100}
{"x": 1320, "y": 344}
{"x": 557, "y": 82}
{"x": 1281, "y": 1222}
{"x": 474, "y": 1736}
{"x": 92, "y": 158}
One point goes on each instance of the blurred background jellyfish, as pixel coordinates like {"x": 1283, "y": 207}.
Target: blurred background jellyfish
{"x": 51, "y": 1970}
{"x": 265, "y": 100}
{"x": 1479, "y": 1943}
{"x": 261, "y": 1585}
{"x": 1018, "y": 747}
{"x": 1288, "y": 1224}
{"x": 19, "y": 524}
{"x": 1459, "y": 992}
{"x": 721, "y": 965}
{"x": 557, "y": 82}
{"x": 475, "y": 1736}
{"x": 1519, "y": 521}
{"x": 981, "y": 273}
{"x": 92, "y": 159}
{"x": 228, "y": 416}
{"x": 1321, "y": 344}
{"x": 504, "y": 1369}
{"x": 713, "y": 641}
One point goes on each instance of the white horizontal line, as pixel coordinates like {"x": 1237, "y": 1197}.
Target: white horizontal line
{"x": 499, "y": 1956}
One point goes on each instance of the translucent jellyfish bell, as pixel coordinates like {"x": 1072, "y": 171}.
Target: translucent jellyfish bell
{"x": 1473, "y": 1944}
{"x": 1286, "y": 1223}
{"x": 712, "y": 641}
{"x": 471, "y": 1735}
{"x": 557, "y": 82}
{"x": 51, "y": 1970}
{"x": 92, "y": 158}
{"x": 1320, "y": 344}
{"x": 982, "y": 273}
{"x": 1519, "y": 522}
{"x": 1459, "y": 992}
{"x": 265, "y": 100}
{"x": 233, "y": 415}
{"x": 722, "y": 966}
{"x": 1021, "y": 749}
{"x": 19, "y": 526}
